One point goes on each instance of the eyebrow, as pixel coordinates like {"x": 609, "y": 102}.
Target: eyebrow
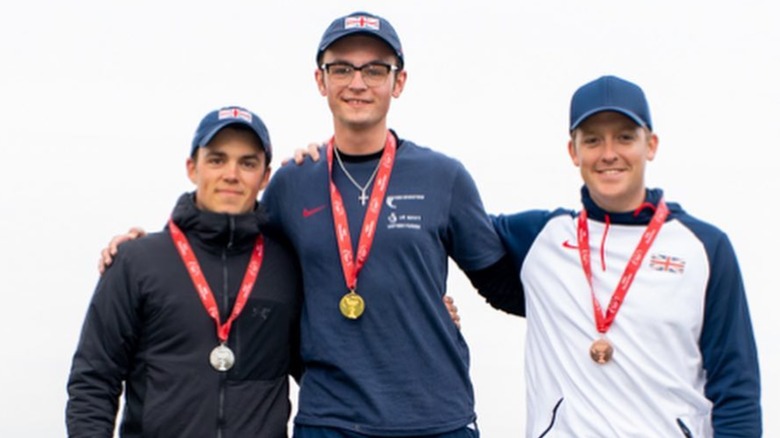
{"x": 254, "y": 156}
{"x": 344, "y": 61}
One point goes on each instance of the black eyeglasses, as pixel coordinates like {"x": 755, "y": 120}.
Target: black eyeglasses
{"x": 374, "y": 74}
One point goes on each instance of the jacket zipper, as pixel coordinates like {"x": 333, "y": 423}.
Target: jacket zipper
{"x": 552, "y": 420}
{"x": 226, "y": 306}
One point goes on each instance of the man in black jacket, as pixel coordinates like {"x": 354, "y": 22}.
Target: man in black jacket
{"x": 199, "y": 322}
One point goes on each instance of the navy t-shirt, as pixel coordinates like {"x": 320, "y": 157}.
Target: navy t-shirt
{"x": 402, "y": 368}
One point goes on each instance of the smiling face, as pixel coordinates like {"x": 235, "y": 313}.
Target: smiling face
{"x": 229, "y": 172}
{"x": 612, "y": 152}
{"x": 355, "y": 105}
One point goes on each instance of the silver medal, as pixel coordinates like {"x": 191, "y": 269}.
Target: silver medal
{"x": 222, "y": 358}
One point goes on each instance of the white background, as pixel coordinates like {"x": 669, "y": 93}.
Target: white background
{"x": 98, "y": 102}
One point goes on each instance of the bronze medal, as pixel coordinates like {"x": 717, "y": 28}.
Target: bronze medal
{"x": 222, "y": 358}
{"x": 352, "y": 305}
{"x": 601, "y": 351}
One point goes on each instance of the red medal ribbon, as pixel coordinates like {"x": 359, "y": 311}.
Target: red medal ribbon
{"x": 350, "y": 264}
{"x": 202, "y": 287}
{"x": 603, "y": 322}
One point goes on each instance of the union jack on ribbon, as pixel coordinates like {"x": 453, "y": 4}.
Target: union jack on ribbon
{"x": 361, "y": 21}
{"x": 665, "y": 263}
{"x": 235, "y": 113}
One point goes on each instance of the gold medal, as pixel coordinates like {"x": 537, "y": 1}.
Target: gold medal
{"x": 601, "y": 351}
{"x": 222, "y": 358}
{"x": 352, "y": 305}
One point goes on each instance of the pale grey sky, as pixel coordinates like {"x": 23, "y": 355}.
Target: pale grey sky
{"x": 99, "y": 101}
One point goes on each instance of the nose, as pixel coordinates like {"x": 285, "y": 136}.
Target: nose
{"x": 231, "y": 172}
{"x": 357, "y": 80}
{"x": 610, "y": 150}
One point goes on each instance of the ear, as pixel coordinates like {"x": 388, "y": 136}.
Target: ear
{"x": 652, "y": 146}
{"x": 573, "y": 152}
{"x": 266, "y": 178}
{"x": 192, "y": 172}
{"x": 319, "y": 77}
{"x": 398, "y": 84}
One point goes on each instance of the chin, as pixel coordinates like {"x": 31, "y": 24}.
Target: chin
{"x": 237, "y": 210}
{"x": 230, "y": 209}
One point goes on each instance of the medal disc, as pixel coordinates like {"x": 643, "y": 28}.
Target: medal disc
{"x": 352, "y": 305}
{"x": 601, "y": 351}
{"x": 222, "y": 358}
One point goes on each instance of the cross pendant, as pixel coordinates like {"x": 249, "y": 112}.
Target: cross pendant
{"x": 363, "y": 198}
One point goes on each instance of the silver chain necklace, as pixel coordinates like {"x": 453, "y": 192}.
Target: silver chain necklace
{"x": 362, "y": 198}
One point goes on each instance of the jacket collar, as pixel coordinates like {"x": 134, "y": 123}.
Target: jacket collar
{"x": 640, "y": 216}
{"x": 218, "y": 231}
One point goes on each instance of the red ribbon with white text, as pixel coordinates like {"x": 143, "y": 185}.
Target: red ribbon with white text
{"x": 604, "y": 321}
{"x": 202, "y": 287}
{"x": 350, "y": 264}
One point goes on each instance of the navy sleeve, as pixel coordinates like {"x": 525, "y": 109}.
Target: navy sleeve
{"x": 500, "y": 285}
{"x": 519, "y": 231}
{"x": 471, "y": 239}
{"x": 728, "y": 347}
{"x": 102, "y": 358}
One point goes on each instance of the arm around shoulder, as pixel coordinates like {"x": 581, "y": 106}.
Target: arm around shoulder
{"x": 500, "y": 285}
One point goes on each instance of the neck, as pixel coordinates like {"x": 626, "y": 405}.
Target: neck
{"x": 621, "y": 205}
{"x": 363, "y": 142}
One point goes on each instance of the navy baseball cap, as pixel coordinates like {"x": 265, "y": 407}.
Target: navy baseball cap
{"x": 218, "y": 119}
{"x": 362, "y": 23}
{"x": 609, "y": 93}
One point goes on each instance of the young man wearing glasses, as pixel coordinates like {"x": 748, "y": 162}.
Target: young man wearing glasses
{"x": 374, "y": 224}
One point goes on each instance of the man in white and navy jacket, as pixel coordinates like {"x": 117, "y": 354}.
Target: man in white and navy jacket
{"x": 638, "y": 323}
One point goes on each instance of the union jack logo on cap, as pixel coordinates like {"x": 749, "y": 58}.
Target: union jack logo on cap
{"x": 361, "y": 21}
{"x": 235, "y": 113}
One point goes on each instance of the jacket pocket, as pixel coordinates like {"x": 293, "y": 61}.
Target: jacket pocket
{"x": 686, "y": 432}
{"x": 695, "y": 425}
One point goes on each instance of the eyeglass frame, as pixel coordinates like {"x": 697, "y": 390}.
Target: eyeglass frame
{"x": 325, "y": 67}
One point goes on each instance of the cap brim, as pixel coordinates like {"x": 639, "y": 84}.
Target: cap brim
{"x": 638, "y": 120}
{"x": 206, "y": 139}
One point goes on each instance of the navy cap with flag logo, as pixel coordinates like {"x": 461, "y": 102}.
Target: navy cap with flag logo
{"x": 609, "y": 93}
{"x": 362, "y": 23}
{"x": 218, "y": 119}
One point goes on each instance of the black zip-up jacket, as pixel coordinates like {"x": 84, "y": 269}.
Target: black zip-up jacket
{"x": 146, "y": 328}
